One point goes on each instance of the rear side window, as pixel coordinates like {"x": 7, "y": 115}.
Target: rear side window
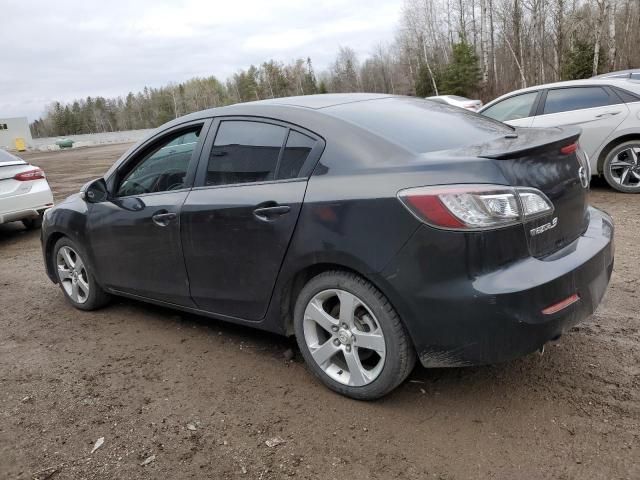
{"x": 512, "y": 108}
{"x": 295, "y": 154}
{"x": 635, "y": 76}
{"x": 568, "y": 99}
{"x": 419, "y": 125}
{"x": 627, "y": 97}
{"x": 245, "y": 152}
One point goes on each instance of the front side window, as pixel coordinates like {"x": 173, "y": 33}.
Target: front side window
{"x": 162, "y": 169}
{"x": 569, "y": 99}
{"x": 512, "y": 108}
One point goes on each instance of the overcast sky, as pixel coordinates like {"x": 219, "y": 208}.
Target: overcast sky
{"x": 71, "y": 49}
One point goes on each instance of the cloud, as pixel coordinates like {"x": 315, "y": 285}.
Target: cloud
{"x": 71, "y": 48}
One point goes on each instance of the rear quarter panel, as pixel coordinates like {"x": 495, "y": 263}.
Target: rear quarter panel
{"x": 628, "y": 129}
{"x": 596, "y": 125}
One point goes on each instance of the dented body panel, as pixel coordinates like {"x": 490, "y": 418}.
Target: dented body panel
{"x": 463, "y": 312}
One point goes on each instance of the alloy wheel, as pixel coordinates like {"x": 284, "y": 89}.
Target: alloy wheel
{"x": 344, "y": 337}
{"x": 72, "y": 274}
{"x": 625, "y": 167}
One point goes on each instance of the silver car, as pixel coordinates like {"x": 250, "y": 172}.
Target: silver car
{"x": 607, "y": 110}
{"x": 458, "y": 101}
{"x": 633, "y": 74}
{"x": 24, "y": 192}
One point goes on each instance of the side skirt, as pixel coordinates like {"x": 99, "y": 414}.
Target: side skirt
{"x": 258, "y": 324}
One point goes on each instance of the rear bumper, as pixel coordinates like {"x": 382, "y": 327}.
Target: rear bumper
{"x": 30, "y": 202}
{"x": 497, "y": 316}
{"x": 23, "y": 214}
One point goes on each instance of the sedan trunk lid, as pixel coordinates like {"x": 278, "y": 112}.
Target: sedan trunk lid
{"x": 546, "y": 159}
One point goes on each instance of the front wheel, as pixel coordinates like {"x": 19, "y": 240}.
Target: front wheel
{"x": 351, "y": 337}
{"x": 622, "y": 167}
{"x": 75, "y": 277}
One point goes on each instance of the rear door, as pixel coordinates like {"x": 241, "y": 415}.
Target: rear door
{"x": 238, "y": 220}
{"x": 595, "y": 109}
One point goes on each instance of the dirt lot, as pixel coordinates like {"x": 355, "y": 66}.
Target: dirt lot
{"x": 138, "y": 375}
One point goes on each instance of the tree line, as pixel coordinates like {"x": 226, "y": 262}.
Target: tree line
{"x": 477, "y": 48}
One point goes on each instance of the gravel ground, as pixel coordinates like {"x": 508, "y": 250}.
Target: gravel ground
{"x": 180, "y": 396}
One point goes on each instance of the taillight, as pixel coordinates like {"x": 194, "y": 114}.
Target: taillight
{"x": 566, "y": 150}
{"x": 475, "y": 207}
{"x": 35, "y": 174}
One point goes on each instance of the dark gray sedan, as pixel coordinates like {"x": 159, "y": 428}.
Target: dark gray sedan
{"x": 376, "y": 229}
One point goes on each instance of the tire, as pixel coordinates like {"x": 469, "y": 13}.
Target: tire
{"x": 623, "y": 158}
{"x": 32, "y": 223}
{"x": 321, "y": 331}
{"x": 75, "y": 279}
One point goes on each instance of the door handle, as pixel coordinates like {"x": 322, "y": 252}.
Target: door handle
{"x": 269, "y": 213}
{"x": 608, "y": 114}
{"x": 163, "y": 218}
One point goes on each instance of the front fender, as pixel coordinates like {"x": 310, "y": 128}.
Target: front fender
{"x": 67, "y": 219}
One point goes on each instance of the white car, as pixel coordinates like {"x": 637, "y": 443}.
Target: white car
{"x": 457, "y": 101}
{"x": 633, "y": 74}
{"x": 24, "y": 192}
{"x": 607, "y": 110}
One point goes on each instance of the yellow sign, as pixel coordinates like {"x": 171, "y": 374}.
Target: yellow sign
{"x": 20, "y": 145}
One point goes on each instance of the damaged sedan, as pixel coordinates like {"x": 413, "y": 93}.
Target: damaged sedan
{"x": 379, "y": 230}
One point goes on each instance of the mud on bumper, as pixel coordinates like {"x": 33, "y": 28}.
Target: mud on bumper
{"x": 503, "y": 320}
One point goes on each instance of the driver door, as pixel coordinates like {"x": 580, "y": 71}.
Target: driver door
{"x": 135, "y": 234}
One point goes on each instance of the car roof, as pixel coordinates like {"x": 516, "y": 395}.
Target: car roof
{"x": 309, "y": 103}
{"x": 618, "y": 72}
{"x": 313, "y": 102}
{"x": 624, "y": 83}
{"x": 321, "y": 100}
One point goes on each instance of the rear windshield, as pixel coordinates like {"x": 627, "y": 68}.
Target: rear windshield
{"x": 420, "y": 125}
{"x": 7, "y": 158}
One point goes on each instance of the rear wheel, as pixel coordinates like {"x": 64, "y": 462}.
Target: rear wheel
{"x": 32, "y": 223}
{"x": 351, "y": 337}
{"x": 75, "y": 277}
{"x": 622, "y": 167}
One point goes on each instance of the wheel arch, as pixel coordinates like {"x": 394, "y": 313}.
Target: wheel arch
{"x": 300, "y": 278}
{"x": 50, "y": 242}
{"x": 613, "y": 143}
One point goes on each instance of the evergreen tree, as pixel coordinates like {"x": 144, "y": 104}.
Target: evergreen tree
{"x": 310, "y": 85}
{"x": 462, "y": 75}
{"x": 578, "y": 62}
{"x": 424, "y": 83}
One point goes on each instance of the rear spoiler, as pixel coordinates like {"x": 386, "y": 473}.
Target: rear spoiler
{"x": 527, "y": 141}
{"x": 12, "y": 164}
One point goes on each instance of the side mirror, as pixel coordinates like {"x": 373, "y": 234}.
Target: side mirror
{"x": 95, "y": 191}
